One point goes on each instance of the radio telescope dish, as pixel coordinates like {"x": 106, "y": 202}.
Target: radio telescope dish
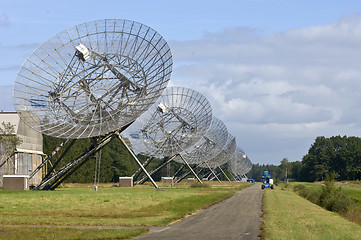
{"x": 226, "y": 154}
{"x": 179, "y": 119}
{"x": 240, "y": 164}
{"x": 92, "y": 79}
{"x": 209, "y": 145}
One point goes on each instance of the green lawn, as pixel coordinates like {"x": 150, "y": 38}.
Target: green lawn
{"x": 18, "y": 233}
{"x": 353, "y": 192}
{"x": 351, "y": 189}
{"x": 109, "y": 206}
{"x": 289, "y": 216}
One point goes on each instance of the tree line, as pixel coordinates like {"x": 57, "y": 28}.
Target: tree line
{"x": 115, "y": 161}
{"x": 337, "y": 156}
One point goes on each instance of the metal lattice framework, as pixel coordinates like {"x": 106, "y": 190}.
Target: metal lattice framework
{"x": 93, "y": 78}
{"x": 179, "y": 119}
{"x": 240, "y": 164}
{"x": 133, "y": 136}
{"x": 226, "y": 154}
{"x": 91, "y": 81}
{"x": 209, "y": 145}
{"x": 221, "y": 158}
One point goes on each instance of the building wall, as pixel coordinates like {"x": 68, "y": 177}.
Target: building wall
{"x": 28, "y": 155}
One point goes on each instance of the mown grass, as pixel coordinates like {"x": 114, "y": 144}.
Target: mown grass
{"x": 109, "y": 206}
{"x": 36, "y": 214}
{"x": 289, "y": 216}
{"x": 352, "y": 189}
{"x": 354, "y": 193}
{"x": 334, "y": 196}
{"x": 18, "y": 233}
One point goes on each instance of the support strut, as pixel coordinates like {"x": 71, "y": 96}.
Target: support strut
{"x": 138, "y": 162}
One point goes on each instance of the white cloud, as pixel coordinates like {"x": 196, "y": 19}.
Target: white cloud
{"x": 293, "y": 85}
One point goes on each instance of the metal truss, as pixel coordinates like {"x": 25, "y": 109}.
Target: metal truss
{"x": 209, "y": 145}
{"x": 54, "y": 178}
{"x": 179, "y": 119}
{"x": 92, "y": 79}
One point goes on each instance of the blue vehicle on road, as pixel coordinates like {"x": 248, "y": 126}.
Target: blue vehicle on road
{"x": 267, "y": 181}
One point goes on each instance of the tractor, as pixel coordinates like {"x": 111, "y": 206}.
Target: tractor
{"x": 267, "y": 181}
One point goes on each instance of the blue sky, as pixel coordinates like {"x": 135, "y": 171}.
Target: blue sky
{"x": 278, "y": 73}
{"x": 178, "y": 20}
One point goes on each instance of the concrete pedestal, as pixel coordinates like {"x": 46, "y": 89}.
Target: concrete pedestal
{"x": 126, "y": 182}
{"x": 191, "y": 180}
{"x": 16, "y": 182}
{"x": 168, "y": 181}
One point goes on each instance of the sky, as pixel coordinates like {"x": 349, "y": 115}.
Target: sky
{"x": 278, "y": 73}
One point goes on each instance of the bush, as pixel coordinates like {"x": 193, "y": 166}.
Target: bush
{"x": 312, "y": 195}
{"x": 354, "y": 214}
{"x": 277, "y": 181}
{"x": 331, "y": 198}
{"x": 299, "y": 188}
{"x": 334, "y": 199}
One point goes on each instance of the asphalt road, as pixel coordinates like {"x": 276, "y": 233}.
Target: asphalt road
{"x": 238, "y": 217}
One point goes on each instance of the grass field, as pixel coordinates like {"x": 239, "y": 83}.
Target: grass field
{"x": 289, "y": 216}
{"x": 352, "y": 189}
{"x": 109, "y": 206}
{"x": 341, "y": 197}
{"x": 18, "y": 233}
{"x": 353, "y": 192}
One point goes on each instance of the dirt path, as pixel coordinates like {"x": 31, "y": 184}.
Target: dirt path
{"x": 238, "y": 217}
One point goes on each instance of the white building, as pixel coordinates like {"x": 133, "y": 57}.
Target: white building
{"x": 27, "y": 156}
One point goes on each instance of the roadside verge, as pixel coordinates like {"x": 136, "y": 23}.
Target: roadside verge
{"x": 289, "y": 216}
